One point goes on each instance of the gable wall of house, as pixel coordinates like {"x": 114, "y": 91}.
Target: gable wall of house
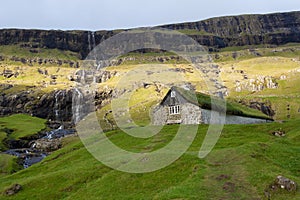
{"x": 189, "y": 114}
{"x": 172, "y": 101}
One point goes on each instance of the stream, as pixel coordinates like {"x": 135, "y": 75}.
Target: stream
{"x": 31, "y": 155}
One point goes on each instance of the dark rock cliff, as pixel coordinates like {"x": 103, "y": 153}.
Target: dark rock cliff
{"x": 277, "y": 29}
{"x": 57, "y": 106}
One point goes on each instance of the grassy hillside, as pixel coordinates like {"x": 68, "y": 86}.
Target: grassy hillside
{"x": 246, "y": 159}
{"x": 19, "y": 126}
{"x": 8, "y": 165}
{"x": 26, "y": 52}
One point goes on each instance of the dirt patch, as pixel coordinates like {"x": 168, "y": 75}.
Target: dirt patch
{"x": 223, "y": 177}
{"x": 229, "y": 187}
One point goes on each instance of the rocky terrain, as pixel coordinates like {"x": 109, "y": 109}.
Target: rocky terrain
{"x": 41, "y": 82}
{"x": 258, "y": 59}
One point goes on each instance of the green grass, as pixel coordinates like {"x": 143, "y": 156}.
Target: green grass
{"x": 284, "y": 100}
{"x": 19, "y": 126}
{"x": 248, "y": 52}
{"x": 249, "y": 155}
{"x": 194, "y": 32}
{"x": 16, "y": 50}
{"x": 3, "y": 135}
{"x": 8, "y": 164}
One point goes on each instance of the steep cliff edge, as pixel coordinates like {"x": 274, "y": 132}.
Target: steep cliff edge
{"x": 277, "y": 29}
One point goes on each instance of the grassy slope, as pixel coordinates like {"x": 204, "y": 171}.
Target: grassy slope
{"x": 248, "y": 154}
{"x": 30, "y": 77}
{"x": 16, "y": 50}
{"x": 8, "y": 165}
{"x": 287, "y": 92}
{"x": 22, "y": 126}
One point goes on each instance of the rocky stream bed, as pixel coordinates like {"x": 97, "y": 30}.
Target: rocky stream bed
{"x": 36, "y": 150}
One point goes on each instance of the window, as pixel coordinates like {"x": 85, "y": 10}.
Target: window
{"x": 174, "y": 110}
{"x": 173, "y": 94}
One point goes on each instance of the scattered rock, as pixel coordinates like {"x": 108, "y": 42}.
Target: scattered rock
{"x": 263, "y": 107}
{"x": 258, "y": 84}
{"x": 8, "y": 73}
{"x": 53, "y": 82}
{"x": 280, "y": 183}
{"x": 279, "y": 133}
{"x": 285, "y": 183}
{"x": 14, "y": 189}
{"x": 47, "y": 145}
{"x": 283, "y": 77}
{"x": 53, "y": 77}
{"x": 43, "y": 72}
{"x": 70, "y": 78}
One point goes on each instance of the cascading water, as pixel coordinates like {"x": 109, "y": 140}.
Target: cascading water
{"x": 93, "y": 39}
{"x": 89, "y": 42}
{"x": 77, "y": 105}
{"x": 92, "y": 43}
{"x": 59, "y": 98}
{"x": 57, "y": 106}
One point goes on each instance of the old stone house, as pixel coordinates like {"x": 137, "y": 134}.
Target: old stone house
{"x": 180, "y": 106}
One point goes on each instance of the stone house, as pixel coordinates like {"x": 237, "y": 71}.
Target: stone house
{"x": 180, "y": 106}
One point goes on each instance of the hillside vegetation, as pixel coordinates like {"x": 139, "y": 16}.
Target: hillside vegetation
{"x": 243, "y": 164}
{"x": 255, "y": 72}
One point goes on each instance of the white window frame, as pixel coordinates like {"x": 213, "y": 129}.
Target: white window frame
{"x": 174, "y": 110}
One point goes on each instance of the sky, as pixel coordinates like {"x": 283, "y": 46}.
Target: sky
{"x": 120, "y": 14}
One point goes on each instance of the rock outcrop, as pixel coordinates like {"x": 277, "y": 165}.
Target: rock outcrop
{"x": 14, "y": 189}
{"x": 47, "y": 145}
{"x": 255, "y": 85}
{"x": 55, "y": 106}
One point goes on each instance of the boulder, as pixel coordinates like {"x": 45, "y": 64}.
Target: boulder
{"x": 280, "y": 183}
{"x": 8, "y": 73}
{"x": 285, "y": 183}
{"x": 13, "y": 189}
{"x": 279, "y": 133}
{"x": 47, "y": 145}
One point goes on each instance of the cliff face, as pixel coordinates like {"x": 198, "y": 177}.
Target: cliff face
{"x": 277, "y": 29}
{"x": 76, "y": 41}
{"x": 56, "y": 106}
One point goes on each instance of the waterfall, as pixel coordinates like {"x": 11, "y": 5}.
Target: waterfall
{"x": 57, "y": 106}
{"x": 92, "y": 43}
{"x": 93, "y": 39}
{"x": 59, "y": 100}
{"x": 89, "y": 42}
{"x": 77, "y": 105}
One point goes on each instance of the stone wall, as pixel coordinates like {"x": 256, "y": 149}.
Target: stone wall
{"x": 160, "y": 115}
{"x": 191, "y": 114}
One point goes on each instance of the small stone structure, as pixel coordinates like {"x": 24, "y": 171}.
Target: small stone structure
{"x": 180, "y": 106}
